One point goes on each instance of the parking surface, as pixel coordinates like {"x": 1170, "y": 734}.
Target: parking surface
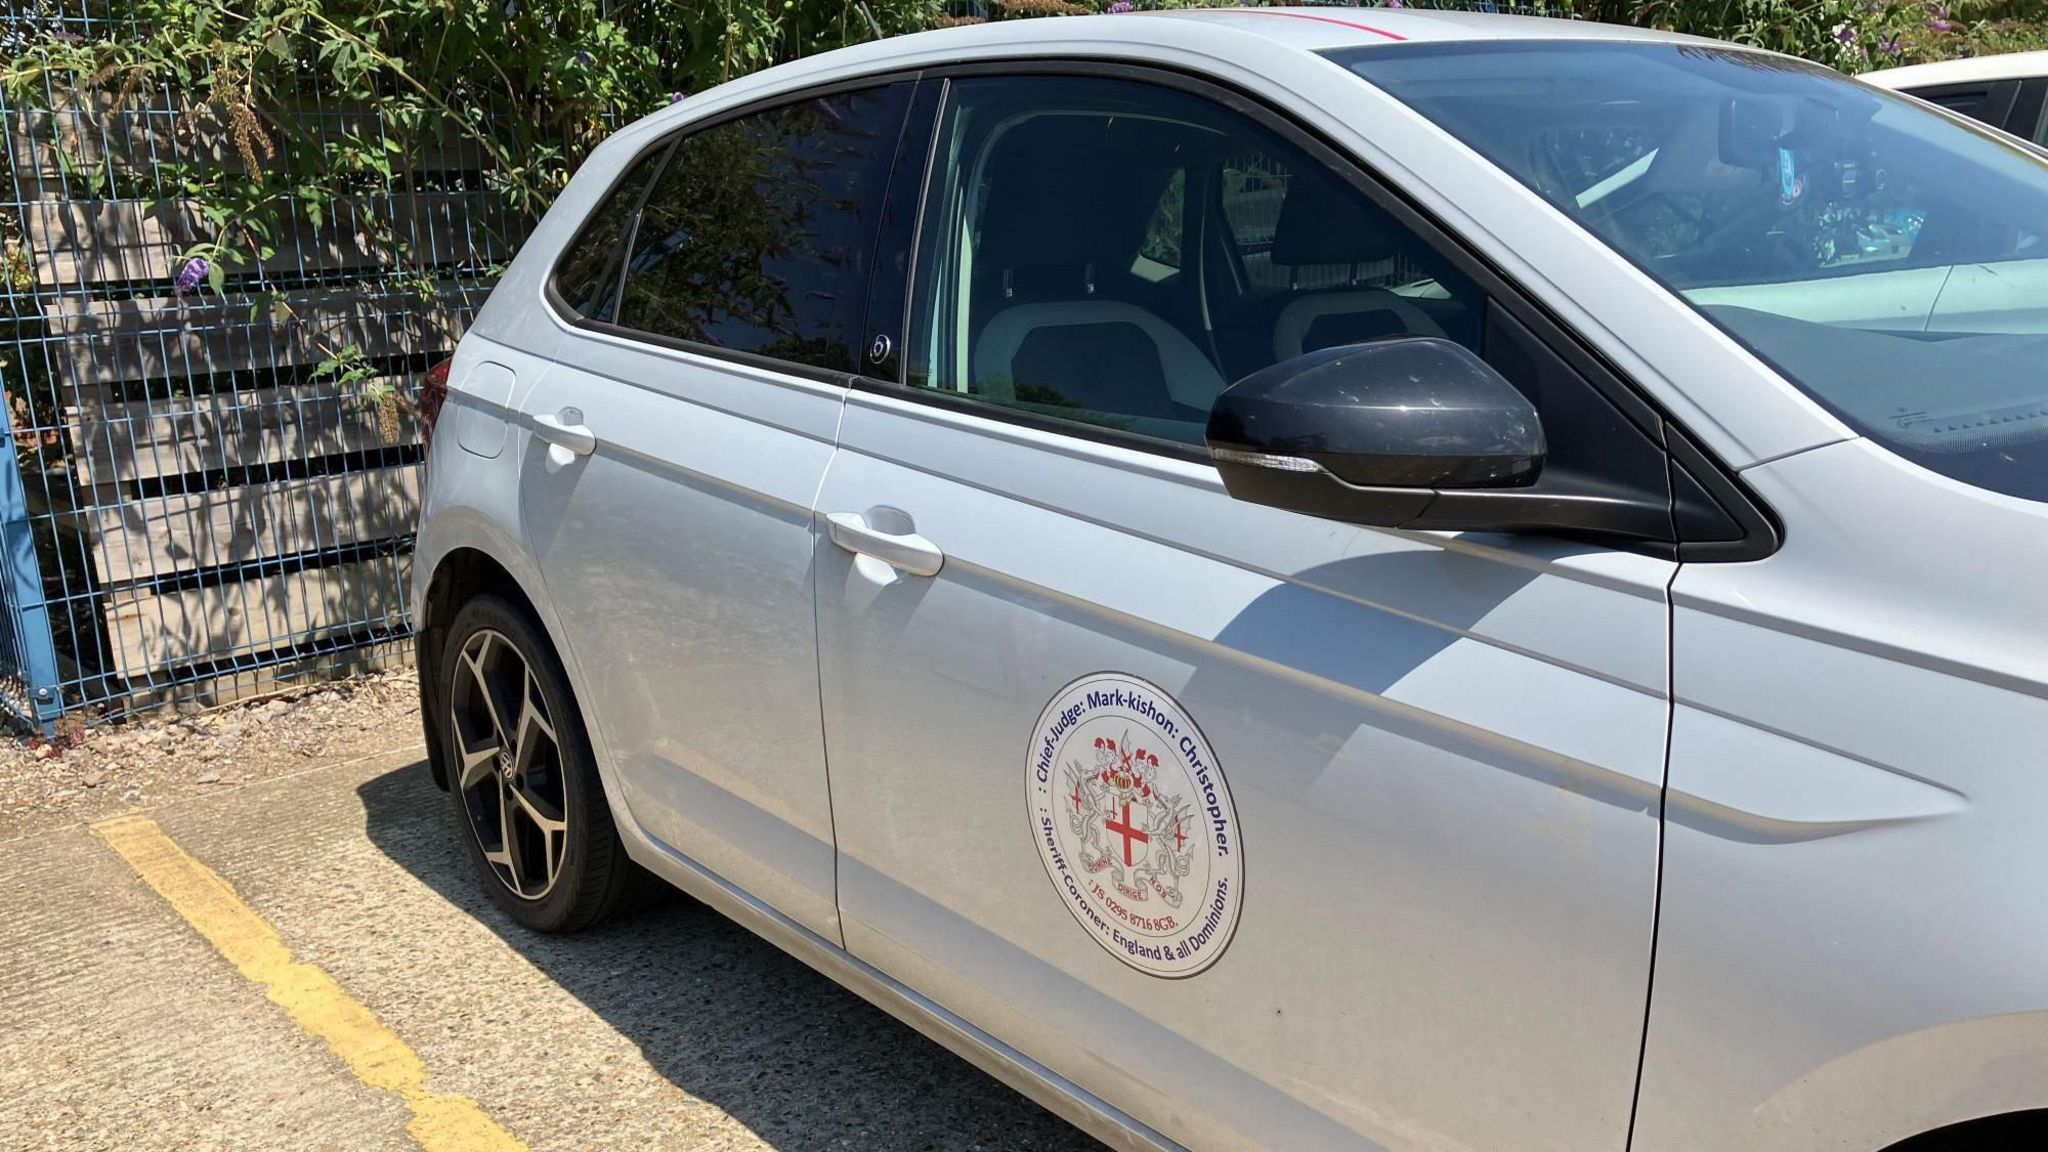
{"x": 126, "y": 1027}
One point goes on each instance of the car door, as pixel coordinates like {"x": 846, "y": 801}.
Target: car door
{"x": 680, "y": 439}
{"x": 1265, "y": 831}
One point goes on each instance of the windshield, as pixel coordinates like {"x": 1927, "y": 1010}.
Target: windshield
{"x": 1885, "y": 258}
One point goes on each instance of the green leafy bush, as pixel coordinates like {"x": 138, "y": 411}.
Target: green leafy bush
{"x": 532, "y": 84}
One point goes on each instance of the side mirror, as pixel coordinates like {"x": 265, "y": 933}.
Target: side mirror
{"x": 1371, "y": 433}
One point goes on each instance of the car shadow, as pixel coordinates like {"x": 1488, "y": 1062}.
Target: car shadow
{"x": 731, "y": 1019}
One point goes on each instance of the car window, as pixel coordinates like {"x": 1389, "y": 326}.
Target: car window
{"x": 1890, "y": 260}
{"x": 1962, "y": 101}
{"x": 757, "y": 235}
{"x": 1113, "y": 253}
{"x": 587, "y": 278}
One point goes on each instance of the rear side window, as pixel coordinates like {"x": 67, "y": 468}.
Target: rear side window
{"x": 758, "y": 234}
{"x": 587, "y": 279}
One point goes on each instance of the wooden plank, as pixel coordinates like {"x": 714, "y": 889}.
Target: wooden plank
{"x": 81, "y": 242}
{"x": 66, "y": 150}
{"x": 163, "y": 630}
{"x": 306, "y": 673}
{"x": 166, "y": 535}
{"x": 118, "y": 442}
{"x": 171, "y": 337}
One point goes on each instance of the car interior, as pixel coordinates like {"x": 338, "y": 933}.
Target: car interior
{"x": 1122, "y": 269}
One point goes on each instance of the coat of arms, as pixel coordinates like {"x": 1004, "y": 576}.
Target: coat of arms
{"x": 1127, "y": 825}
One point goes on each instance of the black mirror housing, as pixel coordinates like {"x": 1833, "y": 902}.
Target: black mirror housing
{"x": 1412, "y": 412}
{"x": 1419, "y": 433}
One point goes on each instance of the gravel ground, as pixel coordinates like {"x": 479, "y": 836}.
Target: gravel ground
{"x": 143, "y": 763}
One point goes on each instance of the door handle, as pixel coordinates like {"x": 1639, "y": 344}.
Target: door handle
{"x": 576, "y": 438}
{"x": 910, "y": 552}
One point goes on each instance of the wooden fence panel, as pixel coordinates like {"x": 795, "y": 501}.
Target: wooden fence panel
{"x": 234, "y": 513}
{"x": 151, "y": 630}
{"x": 124, "y": 441}
{"x": 84, "y": 242}
{"x": 108, "y": 341}
{"x": 161, "y": 536}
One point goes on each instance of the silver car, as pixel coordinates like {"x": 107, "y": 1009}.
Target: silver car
{"x": 1297, "y": 580}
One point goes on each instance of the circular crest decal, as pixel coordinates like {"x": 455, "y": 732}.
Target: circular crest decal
{"x": 1134, "y": 824}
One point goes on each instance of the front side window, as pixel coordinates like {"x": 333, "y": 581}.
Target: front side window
{"x": 758, "y": 234}
{"x": 1889, "y": 260}
{"x": 1112, "y": 253}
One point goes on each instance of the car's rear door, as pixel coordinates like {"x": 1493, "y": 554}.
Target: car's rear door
{"x": 1267, "y": 831}
{"x": 680, "y": 440}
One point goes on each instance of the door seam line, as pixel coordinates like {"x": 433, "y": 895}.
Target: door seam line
{"x": 818, "y": 669}
{"x": 1635, "y": 1107}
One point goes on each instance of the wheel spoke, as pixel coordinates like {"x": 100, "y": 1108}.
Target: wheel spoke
{"x": 533, "y": 711}
{"x": 527, "y": 739}
{"x": 483, "y": 691}
{"x": 508, "y": 834}
{"x": 477, "y": 763}
{"x": 550, "y": 823}
{"x": 538, "y": 810}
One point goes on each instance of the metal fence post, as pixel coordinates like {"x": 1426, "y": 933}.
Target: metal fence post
{"x": 28, "y": 615}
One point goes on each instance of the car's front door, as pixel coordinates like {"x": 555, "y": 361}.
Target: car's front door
{"x": 703, "y": 394}
{"x": 1268, "y": 831}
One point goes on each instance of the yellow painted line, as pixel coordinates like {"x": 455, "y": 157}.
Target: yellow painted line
{"x": 307, "y": 994}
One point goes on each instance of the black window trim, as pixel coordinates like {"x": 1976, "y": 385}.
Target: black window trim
{"x": 568, "y": 316}
{"x": 2029, "y": 110}
{"x": 1762, "y": 531}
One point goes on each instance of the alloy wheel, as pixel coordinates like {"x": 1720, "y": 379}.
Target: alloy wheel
{"x": 510, "y": 773}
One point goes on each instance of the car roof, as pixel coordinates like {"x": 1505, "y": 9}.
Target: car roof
{"x": 2009, "y": 66}
{"x": 1211, "y": 31}
{"x": 1321, "y": 28}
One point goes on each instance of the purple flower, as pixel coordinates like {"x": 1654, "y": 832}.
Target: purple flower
{"x": 677, "y": 97}
{"x": 1119, "y": 8}
{"x": 1891, "y": 46}
{"x": 192, "y": 274}
{"x": 1395, "y": 4}
{"x": 1939, "y": 25}
{"x": 63, "y": 37}
{"x": 1844, "y": 33}
{"x": 583, "y": 58}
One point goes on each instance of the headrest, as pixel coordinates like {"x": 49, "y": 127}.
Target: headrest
{"x": 1325, "y": 222}
{"x": 1066, "y": 191}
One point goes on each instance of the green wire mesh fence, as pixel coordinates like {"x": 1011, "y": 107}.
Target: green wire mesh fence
{"x": 214, "y": 468}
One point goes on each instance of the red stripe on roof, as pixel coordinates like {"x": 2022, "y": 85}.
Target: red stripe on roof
{"x": 1326, "y": 20}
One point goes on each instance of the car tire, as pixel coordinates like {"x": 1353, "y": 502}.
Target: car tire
{"x": 528, "y": 804}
